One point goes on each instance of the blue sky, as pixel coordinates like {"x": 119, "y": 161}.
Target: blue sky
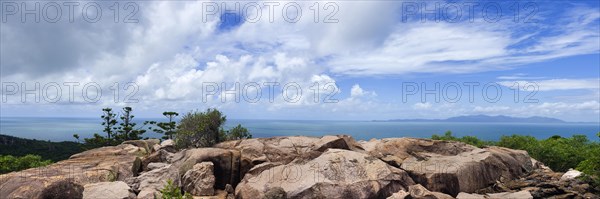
{"x": 362, "y": 52}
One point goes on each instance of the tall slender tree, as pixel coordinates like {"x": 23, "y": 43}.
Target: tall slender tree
{"x": 109, "y": 121}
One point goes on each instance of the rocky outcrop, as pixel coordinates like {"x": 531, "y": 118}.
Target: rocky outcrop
{"x": 298, "y": 167}
{"x": 544, "y": 183}
{"x": 150, "y": 183}
{"x": 199, "y": 180}
{"x": 285, "y": 149}
{"x": 108, "y": 190}
{"x": 334, "y": 174}
{"x": 104, "y": 164}
{"x": 450, "y": 167}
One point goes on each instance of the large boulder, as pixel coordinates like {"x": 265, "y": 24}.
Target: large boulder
{"x": 226, "y": 163}
{"x": 149, "y": 183}
{"x": 450, "y": 167}
{"x": 63, "y": 189}
{"x": 334, "y": 174}
{"x": 468, "y": 171}
{"x": 418, "y": 191}
{"x": 92, "y": 166}
{"x": 285, "y": 149}
{"x": 200, "y": 181}
{"x": 108, "y": 190}
{"x": 395, "y": 150}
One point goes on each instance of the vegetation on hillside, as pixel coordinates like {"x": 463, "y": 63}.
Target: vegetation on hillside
{"x": 556, "y": 152}
{"x": 9, "y": 163}
{"x": 54, "y": 151}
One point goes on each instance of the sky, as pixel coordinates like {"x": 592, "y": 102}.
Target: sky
{"x": 307, "y": 60}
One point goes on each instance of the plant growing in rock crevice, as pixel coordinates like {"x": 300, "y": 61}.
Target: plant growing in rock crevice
{"x": 170, "y": 191}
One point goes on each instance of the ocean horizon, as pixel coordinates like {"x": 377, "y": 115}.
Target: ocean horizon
{"x": 62, "y": 128}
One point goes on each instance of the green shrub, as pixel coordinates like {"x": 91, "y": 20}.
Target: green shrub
{"x": 171, "y": 191}
{"x": 237, "y": 133}
{"x": 200, "y": 129}
{"x": 472, "y": 140}
{"x": 204, "y": 129}
{"x": 9, "y": 163}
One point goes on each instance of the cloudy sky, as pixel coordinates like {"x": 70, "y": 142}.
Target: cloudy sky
{"x": 333, "y": 60}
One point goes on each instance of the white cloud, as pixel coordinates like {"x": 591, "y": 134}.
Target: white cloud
{"x": 422, "y": 106}
{"x": 557, "y": 84}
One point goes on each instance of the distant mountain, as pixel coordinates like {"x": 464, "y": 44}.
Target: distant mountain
{"x": 484, "y": 118}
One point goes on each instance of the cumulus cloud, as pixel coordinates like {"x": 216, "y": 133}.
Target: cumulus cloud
{"x": 174, "y": 49}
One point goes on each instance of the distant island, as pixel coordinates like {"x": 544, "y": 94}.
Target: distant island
{"x": 483, "y": 118}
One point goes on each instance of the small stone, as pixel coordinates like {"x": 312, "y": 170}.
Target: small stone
{"x": 107, "y": 190}
{"x": 229, "y": 188}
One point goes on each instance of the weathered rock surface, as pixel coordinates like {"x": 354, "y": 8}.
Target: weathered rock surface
{"x": 151, "y": 182}
{"x": 542, "y": 182}
{"x": 418, "y": 191}
{"x": 285, "y": 149}
{"x": 92, "y": 166}
{"x": 107, "y": 190}
{"x": 570, "y": 175}
{"x": 199, "y": 180}
{"x": 503, "y": 195}
{"x": 335, "y": 174}
{"x": 450, "y": 167}
{"x": 298, "y": 167}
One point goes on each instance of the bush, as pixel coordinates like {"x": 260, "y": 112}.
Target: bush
{"x": 200, "y": 129}
{"x": 171, "y": 191}
{"x": 237, "y": 133}
{"x": 472, "y": 140}
{"x": 591, "y": 167}
{"x": 203, "y": 129}
{"x": 9, "y": 163}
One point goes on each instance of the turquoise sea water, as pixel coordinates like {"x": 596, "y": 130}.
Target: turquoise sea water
{"x": 61, "y": 129}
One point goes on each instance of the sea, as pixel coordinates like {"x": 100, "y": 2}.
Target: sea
{"x": 62, "y": 129}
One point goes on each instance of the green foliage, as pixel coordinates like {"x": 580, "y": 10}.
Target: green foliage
{"x": 171, "y": 191}
{"x": 109, "y": 121}
{"x": 472, "y": 140}
{"x": 167, "y": 128}
{"x": 126, "y": 129}
{"x": 9, "y": 163}
{"x": 114, "y": 134}
{"x": 238, "y": 132}
{"x": 54, "y": 151}
{"x": 200, "y": 129}
{"x": 591, "y": 167}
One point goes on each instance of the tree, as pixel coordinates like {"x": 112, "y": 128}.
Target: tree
{"x": 76, "y": 136}
{"x": 126, "y": 129}
{"x": 109, "y": 121}
{"x": 114, "y": 134}
{"x": 200, "y": 129}
{"x": 238, "y": 132}
{"x": 167, "y": 128}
